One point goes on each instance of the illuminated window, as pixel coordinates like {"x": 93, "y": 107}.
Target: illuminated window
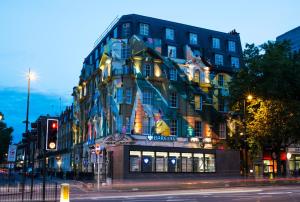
{"x": 231, "y": 46}
{"x": 193, "y": 38}
{"x": 173, "y": 99}
{"x": 172, "y": 51}
{"x": 96, "y": 53}
{"x": 198, "y": 162}
{"x": 197, "y": 76}
{"x": 198, "y": 128}
{"x": 146, "y": 126}
{"x": 173, "y": 74}
{"x": 116, "y": 32}
{"x": 126, "y": 30}
{"x": 161, "y": 162}
{"x": 125, "y": 51}
{"x": 173, "y": 127}
{"x": 220, "y": 80}
{"x": 209, "y": 163}
{"x": 128, "y": 96}
{"x": 147, "y": 97}
{"x": 169, "y": 34}
{"x": 91, "y": 59}
{"x": 135, "y": 161}
{"x": 216, "y": 43}
{"x": 147, "y": 70}
{"x": 198, "y": 102}
{"x": 218, "y": 59}
{"x": 144, "y": 29}
{"x": 235, "y": 62}
{"x": 222, "y": 131}
{"x": 186, "y": 162}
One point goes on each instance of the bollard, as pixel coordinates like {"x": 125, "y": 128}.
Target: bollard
{"x": 65, "y": 193}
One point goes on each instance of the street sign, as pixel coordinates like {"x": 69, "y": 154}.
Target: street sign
{"x": 12, "y": 152}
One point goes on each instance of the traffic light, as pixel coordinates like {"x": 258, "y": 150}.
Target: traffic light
{"x": 51, "y": 136}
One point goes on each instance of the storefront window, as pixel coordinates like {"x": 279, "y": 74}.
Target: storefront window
{"x": 186, "y": 162}
{"x": 210, "y": 163}
{"x": 270, "y": 166}
{"x": 161, "y": 162}
{"x": 174, "y": 162}
{"x": 135, "y": 161}
{"x": 148, "y": 161}
{"x": 198, "y": 163}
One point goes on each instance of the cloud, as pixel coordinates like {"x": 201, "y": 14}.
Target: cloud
{"x": 13, "y": 106}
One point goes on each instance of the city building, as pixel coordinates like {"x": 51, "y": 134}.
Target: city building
{"x": 153, "y": 96}
{"x": 293, "y": 36}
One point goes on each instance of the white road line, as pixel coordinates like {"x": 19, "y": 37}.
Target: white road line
{"x": 271, "y": 193}
{"x": 195, "y": 192}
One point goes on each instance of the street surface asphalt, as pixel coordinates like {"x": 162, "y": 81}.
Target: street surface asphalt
{"x": 287, "y": 193}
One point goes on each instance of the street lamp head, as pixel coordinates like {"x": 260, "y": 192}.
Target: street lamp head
{"x": 31, "y": 76}
{"x": 249, "y": 97}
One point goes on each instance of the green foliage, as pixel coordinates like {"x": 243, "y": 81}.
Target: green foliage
{"x": 5, "y": 139}
{"x": 272, "y": 75}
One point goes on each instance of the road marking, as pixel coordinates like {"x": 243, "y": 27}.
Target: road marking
{"x": 178, "y": 193}
{"x": 271, "y": 193}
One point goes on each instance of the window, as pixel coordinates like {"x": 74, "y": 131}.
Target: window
{"x": 173, "y": 74}
{"x": 198, "y": 102}
{"x": 198, "y": 163}
{"x": 172, "y": 51}
{"x": 116, "y": 32}
{"x": 231, "y": 46}
{"x": 193, "y": 38}
{"x": 147, "y": 97}
{"x": 173, "y": 99}
{"x": 96, "y": 53}
{"x": 221, "y": 104}
{"x": 161, "y": 162}
{"x": 218, "y": 59}
{"x": 197, "y": 76}
{"x": 135, "y": 161}
{"x": 144, "y": 29}
{"x": 125, "y": 51}
{"x": 128, "y": 96}
{"x": 146, "y": 126}
{"x": 174, "y": 162}
{"x": 147, "y": 70}
{"x": 216, "y": 43}
{"x": 125, "y": 30}
{"x": 222, "y": 131}
{"x": 209, "y": 163}
{"x": 235, "y": 62}
{"x": 148, "y": 161}
{"x": 91, "y": 59}
{"x": 169, "y": 34}
{"x": 127, "y": 125}
{"x": 198, "y": 128}
{"x": 186, "y": 162}
{"x": 173, "y": 127}
{"x": 119, "y": 95}
{"x": 221, "y": 80}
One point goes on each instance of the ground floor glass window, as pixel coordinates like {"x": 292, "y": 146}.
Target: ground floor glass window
{"x": 209, "y": 163}
{"x": 161, "y": 161}
{"x": 187, "y": 162}
{"x": 174, "y": 162}
{"x": 148, "y": 161}
{"x": 198, "y": 163}
{"x": 135, "y": 161}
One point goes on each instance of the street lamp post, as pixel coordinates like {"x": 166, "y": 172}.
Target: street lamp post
{"x": 248, "y": 98}
{"x": 30, "y": 76}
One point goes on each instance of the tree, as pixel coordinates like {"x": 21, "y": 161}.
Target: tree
{"x": 5, "y": 139}
{"x": 272, "y": 74}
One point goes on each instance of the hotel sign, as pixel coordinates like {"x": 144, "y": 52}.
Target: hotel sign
{"x": 162, "y": 138}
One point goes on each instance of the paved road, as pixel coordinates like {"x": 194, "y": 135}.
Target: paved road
{"x": 256, "y": 194}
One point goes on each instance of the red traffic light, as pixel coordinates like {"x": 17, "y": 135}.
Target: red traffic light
{"x": 54, "y": 125}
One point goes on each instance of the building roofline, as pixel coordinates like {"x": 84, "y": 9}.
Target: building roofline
{"x": 292, "y": 30}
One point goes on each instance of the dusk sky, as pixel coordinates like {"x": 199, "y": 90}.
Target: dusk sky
{"x": 53, "y": 38}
